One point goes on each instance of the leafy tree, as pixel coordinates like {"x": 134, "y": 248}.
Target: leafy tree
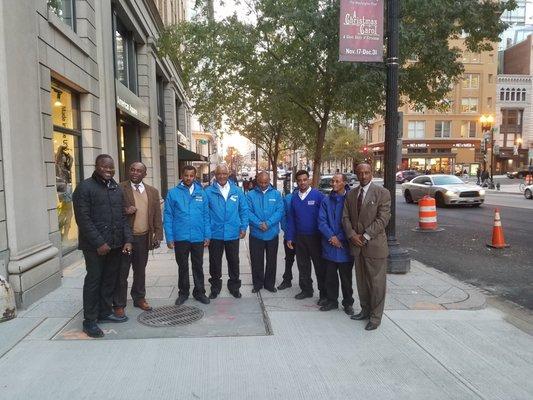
{"x": 289, "y": 50}
{"x": 233, "y": 159}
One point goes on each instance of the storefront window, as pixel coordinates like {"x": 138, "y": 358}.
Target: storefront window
{"x": 65, "y": 10}
{"x": 66, "y": 149}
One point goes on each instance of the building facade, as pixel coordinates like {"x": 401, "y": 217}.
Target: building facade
{"x": 89, "y": 81}
{"x": 514, "y": 109}
{"x": 446, "y": 141}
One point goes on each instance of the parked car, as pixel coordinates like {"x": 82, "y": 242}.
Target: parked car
{"x": 282, "y": 172}
{"x": 520, "y": 174}
{"x": 406, "y": 176}
{"x": 352, "y": 180}
{"x": 528, "y": 192}
{"x": 446, "y": 189}
{"x": 324, "y": 185}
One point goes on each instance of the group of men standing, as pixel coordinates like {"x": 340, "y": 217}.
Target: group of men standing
{"x": 119, "y": 224}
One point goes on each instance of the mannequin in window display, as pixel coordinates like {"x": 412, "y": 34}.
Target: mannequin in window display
{"x": 64, "y": 161}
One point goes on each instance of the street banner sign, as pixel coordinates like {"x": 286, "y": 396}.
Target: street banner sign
{"x": 361, "y": 31}
{"x": 496, "y": 149}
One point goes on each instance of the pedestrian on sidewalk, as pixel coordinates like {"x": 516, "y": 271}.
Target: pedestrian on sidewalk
{"x": 228, "y": 213}
{"x": 104, "y": 235}
{"x": 478, "y": 175}
{"x": 303, "y": 236}
{"x": 335, "y": 247}
{"x": 290, "y": 254}
{"x": 143, "y": 207}
{"x": 365, "y": 216}
{"x": 265, "y": 210}
{"x": 187, "y": 231}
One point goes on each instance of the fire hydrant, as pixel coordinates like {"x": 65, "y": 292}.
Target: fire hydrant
{"x": 7, "y": 301}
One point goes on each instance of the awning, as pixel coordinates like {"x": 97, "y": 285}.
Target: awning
{"x": 187, "y": 155}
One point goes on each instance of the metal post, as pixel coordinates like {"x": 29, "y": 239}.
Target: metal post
{"x": 399, "y": 260}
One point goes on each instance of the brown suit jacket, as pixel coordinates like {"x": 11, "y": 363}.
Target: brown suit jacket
{"x": 371, "y": 219}
{"x": 155, "y": 224}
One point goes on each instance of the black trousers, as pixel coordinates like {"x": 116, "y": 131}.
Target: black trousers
{"x": 182, "y": 250}
{"x": 137, "y": 260}
{"x": 99, "y": 284}
{"x": 290, "y": 254}
{"x": 309, "y": 248}
{"x": 262, "y": 277}
{"x": 216, "y": 249}
{"x": 334, "y": 270}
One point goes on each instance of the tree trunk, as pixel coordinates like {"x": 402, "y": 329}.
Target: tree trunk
{"x": 317, "y": 159}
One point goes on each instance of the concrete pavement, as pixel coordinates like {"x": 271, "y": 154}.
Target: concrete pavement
{"x": 439, "y": 340}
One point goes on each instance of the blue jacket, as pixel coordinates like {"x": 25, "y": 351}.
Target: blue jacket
{"x": 330, "y": 224}
{"x": 286, "y": 203}
{"x": 303, "y": 215}
{"x": 228, "y": 218}
{"x": 186, "y": 216}
{"x": 267, "y": 208}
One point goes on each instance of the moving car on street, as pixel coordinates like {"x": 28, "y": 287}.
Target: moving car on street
{"x": 528, "y": 192}
{"x": 406, "y": 176}
{"x": 446, "y": 189}
{"x": 520, "y": 174}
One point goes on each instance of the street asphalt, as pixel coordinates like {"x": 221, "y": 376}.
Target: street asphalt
{"x": 460, "y": 250}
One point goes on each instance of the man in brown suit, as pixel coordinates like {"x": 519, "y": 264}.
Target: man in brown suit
{"x": 366, "y": 214}
{"x": 143, "y": 208}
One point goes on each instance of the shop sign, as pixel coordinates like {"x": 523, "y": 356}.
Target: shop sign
{"x": 467, "y": 145}
{"x": 417, "y": 145}
{"x": 496, "y": 149}
{"x": 361, "y": 31}
{"x": 130, "y": 104}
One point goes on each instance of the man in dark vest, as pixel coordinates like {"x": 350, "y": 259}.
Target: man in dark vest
{"x": 104, "y": 236}
{"x": 143, "y": 207}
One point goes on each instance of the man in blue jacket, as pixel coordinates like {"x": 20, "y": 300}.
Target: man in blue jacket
{"x": 290, "y": 254}
{"x": 187, "y": 230}
{"x": 304, "y": 236}
{"x": 228, "y": 212}
{"x": 335, "y": 247}
{"x": 265, "y": 207}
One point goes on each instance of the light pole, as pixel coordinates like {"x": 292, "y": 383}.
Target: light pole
{"x": 399, "y": 260}
{"x": 486, "y": 128}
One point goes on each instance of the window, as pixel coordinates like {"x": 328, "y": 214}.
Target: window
{"x": 66, "y": 147}
{"x": 507, "y": 94}
{"x": 523, "y": 95}
{"x": 442, "y": 129}
{"x": 471, "y": 81}
{"x": 416, "y": 129}
{"x": 511, "y": 117}
{"x": 468, "y": 129}
{"x": 518, "y": 15}
{"x": 489, "y": 102}
{"x": 469, "y": 105}
{"x": 491, "y": 78}
{"x": 65, "y": 10}
{"x": 471, "y": 58}
{"x": 502, "y": 94}
{"x": 125, "y": 56}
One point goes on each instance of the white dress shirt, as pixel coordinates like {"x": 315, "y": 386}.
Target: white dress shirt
{"x": 139, "y": 185}
{"x": 224, "y": 190}
{"x": 304, "y": 194}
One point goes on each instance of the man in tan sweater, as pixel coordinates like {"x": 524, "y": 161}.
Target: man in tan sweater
{"x": 142, "y": 206}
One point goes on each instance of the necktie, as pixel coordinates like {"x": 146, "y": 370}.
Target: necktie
{"x": 360, "y": 199}
{"x": 137, "y": 188}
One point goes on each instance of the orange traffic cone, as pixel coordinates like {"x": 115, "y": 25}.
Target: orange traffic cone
{"x": 498, "y": 241}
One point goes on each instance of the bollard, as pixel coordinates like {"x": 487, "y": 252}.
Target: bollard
{"x": 427, "y": 215}
{"x": 7, "y": 301}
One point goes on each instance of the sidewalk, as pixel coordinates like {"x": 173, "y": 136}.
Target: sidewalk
{"x": 439, "y": 340}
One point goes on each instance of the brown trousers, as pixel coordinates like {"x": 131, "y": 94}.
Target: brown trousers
{"x": 371, "y": 276}
{"x": 138, "y": 261}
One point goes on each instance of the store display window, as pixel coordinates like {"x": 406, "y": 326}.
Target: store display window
{"x": 66, "y": 147}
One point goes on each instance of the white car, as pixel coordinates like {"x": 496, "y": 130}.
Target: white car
{"x": 281, "y": 173}
{"x": 528, "y": 192}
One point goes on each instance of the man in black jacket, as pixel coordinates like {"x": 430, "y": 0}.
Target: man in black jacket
{"x": 104, "y": 234}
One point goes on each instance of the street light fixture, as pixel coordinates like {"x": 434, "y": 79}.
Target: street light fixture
{"x": 487, "y": 121}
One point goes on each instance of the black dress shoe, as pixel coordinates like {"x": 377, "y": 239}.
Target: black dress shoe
{"x": 181, "y": 299}
{"x": 271, "y": 290}
{"x": 360, "y": 316}
{"x": 329, "y": 306}
{"x": 202, "y": 299}
{"x": 348, "y": 310}
{"x": 371, "y": 326}
{"x": 322, "y": 302}
{"x": 113, "y": 318}
{"x": 303, "y": 295}
{"x": 254, "y": 290}
{"x": 284, "y": 285}
{"x": 236, "y": 293}
{"x": 92, "y": 330}
{"x": 213, "y": 295}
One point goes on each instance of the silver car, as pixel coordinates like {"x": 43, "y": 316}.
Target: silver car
{"x": 446, "y": 189}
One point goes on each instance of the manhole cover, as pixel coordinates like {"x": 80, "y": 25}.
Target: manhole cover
{"x": 170, "y": 316}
